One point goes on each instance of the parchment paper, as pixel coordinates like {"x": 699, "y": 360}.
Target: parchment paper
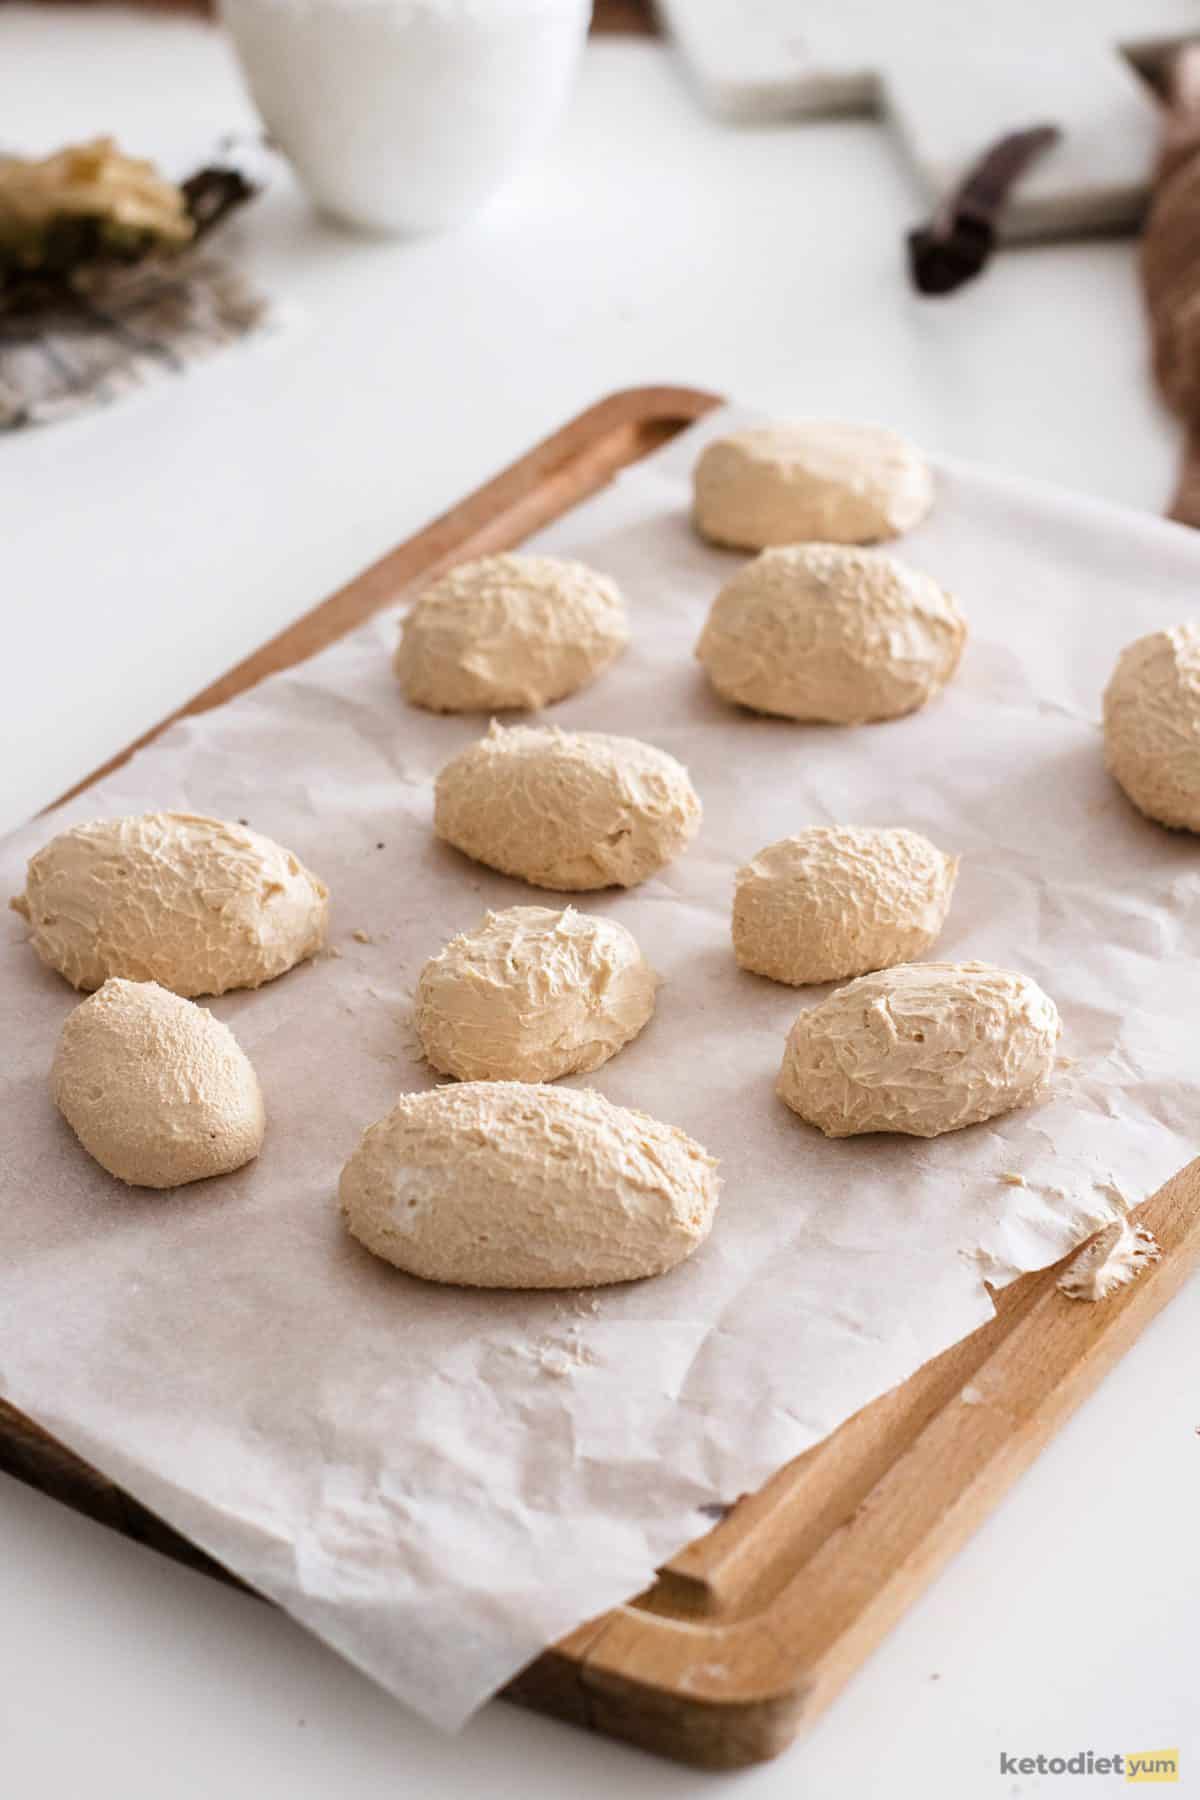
{"x": 440, "y": 1483}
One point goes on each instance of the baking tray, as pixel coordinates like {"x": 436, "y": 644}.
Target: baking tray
{"x": 749, "y": 1631}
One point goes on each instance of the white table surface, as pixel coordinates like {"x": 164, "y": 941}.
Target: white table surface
{"x": 147, "y": 547}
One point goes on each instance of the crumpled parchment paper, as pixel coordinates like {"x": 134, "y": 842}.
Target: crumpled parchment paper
{"x": 440, "y": 1483}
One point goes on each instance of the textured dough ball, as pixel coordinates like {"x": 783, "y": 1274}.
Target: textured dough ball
{"x": 155, "y": 1088}
{"x": 838, "y": 901}
{"x": 922, "y": 1049}
{"x": 509, "y": 631}
{"x": 568, "y": 810}
{"x": 532, "y": 994}
{"x": 196, "y": 904}
{"x": 829, "y": 635}
{"x": 1152, "y": 725}
{"x": 502, "y": 1184}
{"x": 822, "y": 479}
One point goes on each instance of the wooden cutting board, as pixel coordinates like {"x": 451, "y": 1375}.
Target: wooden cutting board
{"x": 752, "y": 1629}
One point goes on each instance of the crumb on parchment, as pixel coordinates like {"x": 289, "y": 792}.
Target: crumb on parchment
{"x": 1110, "y": 1260}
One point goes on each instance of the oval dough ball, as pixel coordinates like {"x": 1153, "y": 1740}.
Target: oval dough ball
{"x": 155, "y": 1088}
{"x": 509, "y": 631}
{"x": 821, "y": 479}
{"x": 1152, "y": 725}
{"x": 501, "y": 1184}
{"x": 922, "y": 1049}
{"x": 838, "y": 901}
{"x": 568, "y": 810}
{"x": 832, "y": 636}
{"x": 196, "y": 904}
{"x": 532, "y": 994}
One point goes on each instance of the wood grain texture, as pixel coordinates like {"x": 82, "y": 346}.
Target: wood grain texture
{"x": 755, "y": 1628}
{"x": 1169, "y": 265}
{"x": 749, "y": 1631}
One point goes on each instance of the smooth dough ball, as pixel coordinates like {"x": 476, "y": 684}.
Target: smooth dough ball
{"x": 196, "y": 904}
{"x": 571, "y": 810}
{"x": 509, "y": 631}
{"x": 832, "y": 636}
{"x": 155, "y": 1088}
{"x": 532, "y": 994}
{"x": 820, "y": 479}
{"x": 839, "y": 900}
{"x": 500, "y": 1184}
{"x": 922, "y": 1049}
{"x": 1152, "y": 725}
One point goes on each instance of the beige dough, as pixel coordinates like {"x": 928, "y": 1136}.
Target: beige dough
{"x": 821, "y": 479}
{"x": 1152, "y": 725}
{"x": 197, "y": 904}
{"x": 503, "y": 1184}
{"x": 532, "y": 994}
{"x": 828, "y": 635}
{"x": 566, "y": 810}
{"x": 155, "y": 1088}
{"x": 922, "y": 1049}
{"x": 509, "y": 631}
{"x": 837, "y": 901}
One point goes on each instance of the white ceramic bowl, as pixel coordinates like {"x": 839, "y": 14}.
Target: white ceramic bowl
{"x": 407, "y": 115}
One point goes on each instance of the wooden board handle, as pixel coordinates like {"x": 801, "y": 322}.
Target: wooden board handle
{"x": 551, "y": 478}
{"x": 805, "y": 1579}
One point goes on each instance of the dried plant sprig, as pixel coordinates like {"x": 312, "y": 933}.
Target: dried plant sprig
{"x": 89, "y": 206}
